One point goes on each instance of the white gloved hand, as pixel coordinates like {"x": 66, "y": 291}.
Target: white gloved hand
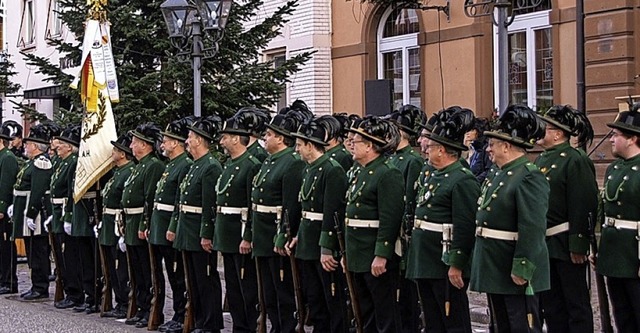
{"x": 10, "y": 211}
{"x": 96, "y": 231}
{"x": 67, "y": 228}
{"x": 30, "y": 223}
{"x": 47, "y": 222}
{"x": 121, "y": 245}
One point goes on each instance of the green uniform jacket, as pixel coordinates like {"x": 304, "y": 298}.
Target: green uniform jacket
{"x": 112, "y": 198}
{"x": 323, "y": 189}
{"x": 340, "y": 154}
{"x": 197, "y": 190}
{"x": 515, "y": 199}
{"x": 444, "y": 196}
{"x": 8, "y": 173}
{"x": 276, "y": 184}
{"x": 409, "y": 163}
{"x": 376, "y": 193}
{"x": 257, "y": 151}
{"x": 618, "y": 256}
{"x": 84, "y": 214}
{"x": 233, "y": 189}
{"x": 139, "y": 190}
{"x": 34, "y": 177}
{"x": 168, "y": 193}
{"x": 573, "y": 196}
{"x": 61, "y": 179}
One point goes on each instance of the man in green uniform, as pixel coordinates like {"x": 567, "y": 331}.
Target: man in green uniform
{"x": 8, "y": 173}
{"x": 510, "y": 258}
{"x": 15, "y": 140}
{"x": 375, "y": 206}
{"x": 324, "y": 184}
{"x": 62, "y": 200}
{"x": 275, "y": 197}
{"x": 111, "y": 233}
{"x": 232, "y": 236}
{"x": 572, "y": 199}
{"x": 336, "y": 148}
{"x": 256, "y": 121}
{"x": 195, "y": 225}
{"x": 444, "y": 228}
{"x": 164, "y": 210}
{"x": 137, "y": 203}
{"x": 407, "y": 118}
{"x": 619, "y": 254}
{"x": 30, "y": 210}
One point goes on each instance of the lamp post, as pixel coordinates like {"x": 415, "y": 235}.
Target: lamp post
{"x": 502, "y": 19}
{"x": 187, "y": 22}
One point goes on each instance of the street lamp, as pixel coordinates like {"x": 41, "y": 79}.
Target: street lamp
{"x": 186, "y": 20}
{"x": 502, "y": 19}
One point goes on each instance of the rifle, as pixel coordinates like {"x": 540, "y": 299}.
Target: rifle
{"x": 189, "y": 320}
{"x": 132, "y": 308}
{"x": 261, "y": 306}
{"x": 107, "y": 302}
{"x": 95, "y": 220}
{"x": 155, "y": 312}
{"x": 301, "y": 313}
{"x": 353, "y": 296}
{"x": 603, "y": 298}
{"x": 59, "y": 293}
{"x": 447, "y": 236}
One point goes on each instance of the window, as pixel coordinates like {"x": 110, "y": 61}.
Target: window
{"x": 399, "y": 55}
{"x": 27, "y": 25}
{"x": 530, "y": 66}
{"x": 54, "y": 22}
{"x": 278, "y": 57}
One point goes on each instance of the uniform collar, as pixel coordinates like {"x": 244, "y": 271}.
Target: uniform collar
{"x": 405, "y": 150}
{"x": 451, "y": 167}
{"x": 334, "y": 149}
{"x": 242, "y": 157}
{"x": 375, "y": 163}
{"x": 515, "y": 163}
{"x": 562, "y": 146}
{"x": 277, "y": 155}
{"x": 318, "y": 161}
{"x": 146, "y": 158}
{"x": 204, "y": 158}
{"x": 632, "y": 160}
{"x": 180, "y": 157}
{"x": 124, "y": 166}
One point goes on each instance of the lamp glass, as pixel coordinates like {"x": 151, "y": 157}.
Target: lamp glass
{"x": 176, "y": 14}
{"x": 214, "y": 13}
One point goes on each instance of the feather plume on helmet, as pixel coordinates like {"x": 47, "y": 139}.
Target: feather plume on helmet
{"x": 381, "y": 132}
{"x": 451, "y": 125}
{"x": 408, "y": 118}
{"x": 207, "y": 127}
{"x": 518, "y": 125}
{"x": 253, "y": 120}
{"x": 150, "y": 133}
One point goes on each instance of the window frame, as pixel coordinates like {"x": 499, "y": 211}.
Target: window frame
{"x": 27, "y": 26}
{"x": 528, "y": 23}
{"x": 403, "y": 43}
{"x": 273, "y": 55}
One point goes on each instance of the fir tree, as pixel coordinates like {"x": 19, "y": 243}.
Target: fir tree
{"x": 154, "y": 85}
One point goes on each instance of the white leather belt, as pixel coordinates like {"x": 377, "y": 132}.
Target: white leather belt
{"x": 560, "y": 228}
{"x": 496, "y": 234}
{"x": 59, "y": 201}
{"x": 356, "y": 223}
{"x": 163, "y": 207}
{"x": 111, "y": 211}
{"x": 90, "y": 195}
{"x": 621, "y": 224}
{"x": 266, "y": 209}
{"x": 430, "y": 226}
{"x": 311, "y": 216}
{"x": 18, "y": 193}
{"x": 231, "y": 210}
{"x": 133, "y": 211}
{"x": 190, "y": 209}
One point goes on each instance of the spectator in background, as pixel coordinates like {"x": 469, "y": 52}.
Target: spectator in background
{"x": 478, "y": 158}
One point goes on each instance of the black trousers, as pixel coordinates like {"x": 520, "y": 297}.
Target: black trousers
{"x": 90, "y": 270}
{"x": 433, "y": 296}
{"x": 116, "y": 262}
{"x": 509, "y": 313}
{"x": 69, "y": 266}
{"x": 625, "y": 300}
{"x": 377, "y": 298}
{"x": 175, "y": 273}
{"x": 277, "y": 285}
{"x": 8, "y": 262}
{"x": 325, "y": 293}
{"x": 38, "y": 259}
{"x": 408, "y": 304}
{"x": 566, "y": 306}
{"x": 206, "y": 296}
{"x": 242, "y": 290}
{"x": 141, "y": 268}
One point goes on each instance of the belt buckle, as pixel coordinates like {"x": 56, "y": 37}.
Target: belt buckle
{"x": 418, "y": 223}
{"x": 346, "y": 221}
{"x": 611, "y": 222}
{"x": 479, "y": 231}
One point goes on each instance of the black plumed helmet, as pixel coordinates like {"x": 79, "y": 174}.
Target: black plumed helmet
{"x": 343, "y": 119}
{"x": 441, "y": 115}
{"x": 583, "y": 129}
{"x": 518, "y": 125}
{"x": 381, "y": 132}
{"x": 287, "y": 123}
{"x": 333, "y": 126}
{"x": 179, "y": 129}
{"x": 298, "y": 104}
{"x": 70, "y": 135}
{"x": 207, "y": 127}
{"x": 39, "y": 133}
{"x": 562, "y": 117}
{"x": 314, "y": 130}
{"x": 628, "y": 121}
{"x": 408, "y": 118}
{"x": 123, "y": 143}
{"x": 449, "y": 129}
{"x": 10, "y": 130}
{"x": 148, "y": 132}
{"x": 52, "y": 128}
{"x": 253, "y": 120}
